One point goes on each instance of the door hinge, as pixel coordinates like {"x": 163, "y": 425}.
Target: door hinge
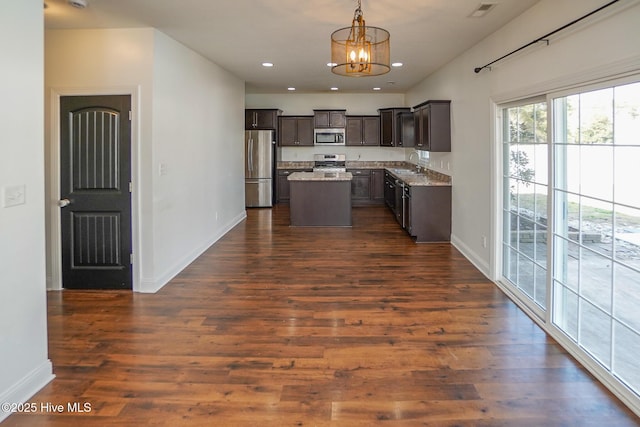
{"x": 130, "y": 115}
{"x": 130, "y": 259}
{"x": 130, "y": 187}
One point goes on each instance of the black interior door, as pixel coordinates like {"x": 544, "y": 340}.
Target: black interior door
{"x": 95, "y": 196}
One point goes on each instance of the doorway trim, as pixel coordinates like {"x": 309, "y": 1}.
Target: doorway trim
{"x": 54, "y": 236}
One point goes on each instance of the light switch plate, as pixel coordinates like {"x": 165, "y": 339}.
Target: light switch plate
{"x": 13, "y": 195}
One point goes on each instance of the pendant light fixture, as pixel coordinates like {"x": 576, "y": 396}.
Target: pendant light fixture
{"x": 360, "y": 50}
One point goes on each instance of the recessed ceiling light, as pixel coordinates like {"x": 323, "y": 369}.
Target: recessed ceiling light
{"x": 397, "y": 64}
{"x": 267, "y": 64}
{"x": 78, "y": 4}
{"x": 376, "y": 88}
{"x": 334, "y": 88}
{"x": 331, "y": 64}
{"x": 291, "y": 88}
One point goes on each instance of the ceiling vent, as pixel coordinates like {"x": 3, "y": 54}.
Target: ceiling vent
{"x": 482, "y": 10}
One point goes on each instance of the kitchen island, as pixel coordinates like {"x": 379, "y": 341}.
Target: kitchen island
{"x": 320, "y": 199}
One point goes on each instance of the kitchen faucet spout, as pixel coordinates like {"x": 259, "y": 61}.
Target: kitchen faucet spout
{"x": 417, "y": 160}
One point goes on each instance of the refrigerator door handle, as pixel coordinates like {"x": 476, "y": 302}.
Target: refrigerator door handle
{"x": 250, "y": 159}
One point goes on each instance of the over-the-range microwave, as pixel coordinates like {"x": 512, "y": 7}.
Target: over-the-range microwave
{"x": 328, "y": 136}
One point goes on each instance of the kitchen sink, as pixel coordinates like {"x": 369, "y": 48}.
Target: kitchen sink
{"x": 404, "y": 171}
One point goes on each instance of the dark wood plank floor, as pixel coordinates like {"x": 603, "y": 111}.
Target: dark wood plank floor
{"x": 280, "y": 326}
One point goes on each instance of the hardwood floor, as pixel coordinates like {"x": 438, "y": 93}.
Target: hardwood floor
{"x": 282, "y": 326}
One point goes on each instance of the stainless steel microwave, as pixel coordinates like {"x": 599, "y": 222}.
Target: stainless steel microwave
{"x": 328, "y": 136}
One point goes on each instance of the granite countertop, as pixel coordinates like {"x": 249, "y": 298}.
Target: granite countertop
{"x": 426, "y": 177}
{"x": 398, "y": 169}
{"x": 320, "y": 176}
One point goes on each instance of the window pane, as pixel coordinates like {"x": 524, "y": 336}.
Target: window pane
{"x": 596, "y": 171}
{"x": 596, "y": 225}
{"x": 572, "y": 112}
{"x": 626, "y": 363}
{"x": 595, "y": 279}
{"x": 540, "y": 286}
{"x": 525, "y": 275}
{"x": 540, "y": 243}
{"x": 567, "y": 176}
{"x": 595, "y": 332}
{"x": 627, "y": 114}
{"x": 568, "y": 215}
{"x": 627, "y": 175}
{"x": 627, "y": 296}
{"x": 541, "y": 122}
{"x": 627, "y": 236}
{"x": 510, "y": 265}
{"x": 596, "y": 117}
{"x": 565, "y": 310}
{"x": 541, "y": 160}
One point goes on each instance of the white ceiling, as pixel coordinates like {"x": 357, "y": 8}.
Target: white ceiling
{"x": 239, "y": 35}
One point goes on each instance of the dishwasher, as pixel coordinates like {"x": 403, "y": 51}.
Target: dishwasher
{"x": 406, "y": 208}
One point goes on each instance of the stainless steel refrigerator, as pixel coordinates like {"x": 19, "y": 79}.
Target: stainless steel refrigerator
{"x": 258, "y": 167}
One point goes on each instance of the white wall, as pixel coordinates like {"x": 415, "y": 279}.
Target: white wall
{"x": 24, "y": 366}
{"x": 188, "y": 116}
{"x": 293, "y": 104}
{"x": 606, "y": 44}
{"x": 198, "y": 128}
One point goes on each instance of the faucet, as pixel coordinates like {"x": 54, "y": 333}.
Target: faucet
{"x": 417, "y": 159}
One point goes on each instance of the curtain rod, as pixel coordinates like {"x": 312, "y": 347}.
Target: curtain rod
{"x": 544, "y": 38}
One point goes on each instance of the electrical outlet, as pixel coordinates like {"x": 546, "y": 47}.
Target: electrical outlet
{"x": 13, "y": 196}
{"x": 483, "y": 241}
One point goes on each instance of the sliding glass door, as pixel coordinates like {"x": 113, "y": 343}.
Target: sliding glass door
{"x": 596, "y": 236}
{"x": 571, "y": 219}
{"x": 524, "y": 212}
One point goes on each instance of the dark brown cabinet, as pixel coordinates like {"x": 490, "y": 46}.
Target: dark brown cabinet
{"x": 294, "y": 131}
{"x": 367, "y": 186}
{"x": 423, "y": 211}
{"x": 282, "y": 183}
{"x": 261, "y": 119}
{"x": 432, "y": 120}
{"x": 363, "y": 130}
{"x": 377, "y": 186}
{"x": 406, "y": 129}
{"x": 329, "y": 118}
{"x": 390, "y": 127}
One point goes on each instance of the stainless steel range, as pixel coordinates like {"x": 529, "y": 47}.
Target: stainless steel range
{"x": 329, "y": 163}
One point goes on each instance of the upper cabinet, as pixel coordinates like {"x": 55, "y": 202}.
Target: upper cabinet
{"x": 363, "y": 130}
{"x": 406, "y": 129}
{"x": 391, "y": 127}
{"x": 329, "y": 118}
{"x": 295, "y": 131}
{"x": 261, "y": 119}
{"x": 432, "y": 120}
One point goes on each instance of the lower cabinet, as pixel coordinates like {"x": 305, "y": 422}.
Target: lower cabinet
{"x": 424, "y": 212}
{"x": 282, "y": 183}
{"x": 427, "y": 213}
{"x": 367, "y": 187}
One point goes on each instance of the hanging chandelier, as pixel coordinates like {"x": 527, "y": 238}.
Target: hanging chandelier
{"x": 360, "y": 50}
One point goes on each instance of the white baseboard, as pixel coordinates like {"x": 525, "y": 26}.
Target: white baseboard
{"x": 478, "y": 262}
{"x": 154, "y": 285}
{"x": 24, "y": 389}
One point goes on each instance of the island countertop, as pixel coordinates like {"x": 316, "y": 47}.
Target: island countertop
{"x": 320, "y": 176}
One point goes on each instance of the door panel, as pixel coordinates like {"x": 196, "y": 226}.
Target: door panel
{"x": 95, "y": 172}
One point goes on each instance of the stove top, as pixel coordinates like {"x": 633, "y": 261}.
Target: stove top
{"x": 329, "y": 163}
